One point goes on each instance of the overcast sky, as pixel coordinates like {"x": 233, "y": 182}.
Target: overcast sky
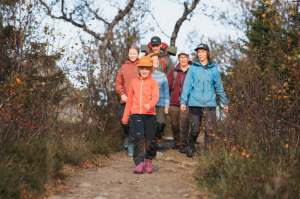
{"x": 167, "y": 13}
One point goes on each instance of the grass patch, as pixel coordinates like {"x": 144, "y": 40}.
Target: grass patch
{"x": 232, "y": 175}
{"x": 27, "y": 168}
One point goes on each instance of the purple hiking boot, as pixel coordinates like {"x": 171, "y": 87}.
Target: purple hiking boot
{"x": 148, "y": 166}
{"x": 139, "y": 168}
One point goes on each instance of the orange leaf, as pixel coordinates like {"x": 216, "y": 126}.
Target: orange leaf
{"x": 224, "y": 60}
{"x": 247, "y": 156}
{"x": 263, "y": 15}
{"x": 285, "y": 97}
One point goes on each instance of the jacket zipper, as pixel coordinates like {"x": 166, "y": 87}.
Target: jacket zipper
{"x": 141, "y": 94}
{"x": 203, "y": 86}
{"x": 180, "y": 90}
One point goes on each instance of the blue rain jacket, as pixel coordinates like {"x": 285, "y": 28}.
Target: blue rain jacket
{"x": 204, "y": 91}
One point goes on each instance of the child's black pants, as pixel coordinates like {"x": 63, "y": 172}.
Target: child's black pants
{"x": 143, "y": 128}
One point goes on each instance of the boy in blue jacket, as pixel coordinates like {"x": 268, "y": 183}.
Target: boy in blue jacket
{"x": 162, "y": 107}
{"x": 202, "y": 81}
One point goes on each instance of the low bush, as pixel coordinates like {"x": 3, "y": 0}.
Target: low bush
{"x": 236, "y": 175}
{"x": 256, "y": 149}
{"x": 27, "y": 168}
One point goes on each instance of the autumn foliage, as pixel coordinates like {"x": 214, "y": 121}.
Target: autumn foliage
{"x": 256, "y": 150}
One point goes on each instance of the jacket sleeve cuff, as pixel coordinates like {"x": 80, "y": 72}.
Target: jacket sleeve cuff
{"x": 125, "y": 120}
{"x": 121, "y": 93}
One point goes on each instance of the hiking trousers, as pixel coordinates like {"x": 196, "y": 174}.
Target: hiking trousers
{"x": 199, "y": 114}
{"x": 180, "y": 122}
{"x": 160, "y": 121}
{"x": 126, "y": 127}
{"x": 143, "y": 128}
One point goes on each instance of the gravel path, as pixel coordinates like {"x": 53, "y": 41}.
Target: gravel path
{"x": 115, "y": 178}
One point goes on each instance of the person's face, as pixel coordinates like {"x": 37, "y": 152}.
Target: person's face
{"x": 155, "y": 61}
{"x": 156, "y": 48}
{"x": 144, "y": 71}
{"x": 183, "y": 60}
{"x": 202, "y": 54}
{"x": 133, "y": 55}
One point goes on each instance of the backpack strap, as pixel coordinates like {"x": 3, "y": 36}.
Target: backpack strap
{"x": 147, "y": 52}
{"x": 163, "y": 62}
{"x": 192, "y": 80}
{"x": 213, "y": 70}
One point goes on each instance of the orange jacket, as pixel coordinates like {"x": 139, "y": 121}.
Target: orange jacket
{"x": 125, "y": 75}
{"x": 142, "y": 91}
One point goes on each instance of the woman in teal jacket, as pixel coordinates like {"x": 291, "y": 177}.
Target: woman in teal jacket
{"x": 202, "y": 83}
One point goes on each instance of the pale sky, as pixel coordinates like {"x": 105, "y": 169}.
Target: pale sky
{"x": 166, "y": 13}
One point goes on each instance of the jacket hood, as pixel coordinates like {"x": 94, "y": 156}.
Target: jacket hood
{"x": 209, "y": 65}
{"x": 144, "y": 78}
{"x": 128, "y": 61}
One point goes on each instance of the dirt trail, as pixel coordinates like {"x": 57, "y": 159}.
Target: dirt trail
{"x": 115, "y": 179}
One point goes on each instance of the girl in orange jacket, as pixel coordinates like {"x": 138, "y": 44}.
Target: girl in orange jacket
{"x": 142, "y": 97}
{"x": 126, "y": 74}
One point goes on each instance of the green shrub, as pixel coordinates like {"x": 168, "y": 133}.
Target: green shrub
{"x": 233, "y": 175}
{"x": 26, "y": 167}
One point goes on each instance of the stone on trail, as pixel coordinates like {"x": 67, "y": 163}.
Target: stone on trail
{"x": 55, "y": 197}
{"x": 186, "y": 195}
{"x": 189, "y": 164}
{"x": 100, "y": 197}
{"x": 183, "y": 190}
{"x": 180, "y": 167}
{"x": 160, "y": 156}
{"x": 85, "y": 185}
{"x": 171, "y": 159}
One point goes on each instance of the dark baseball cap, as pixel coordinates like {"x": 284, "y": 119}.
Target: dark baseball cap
{"x": 202, "y": 46}
{"x": 155, "y": 41}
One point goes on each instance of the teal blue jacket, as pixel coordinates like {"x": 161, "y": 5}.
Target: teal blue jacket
{"x": 203, "y": 94}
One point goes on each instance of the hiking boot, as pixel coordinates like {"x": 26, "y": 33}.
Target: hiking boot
{"x": 190, "y": 150}
{"x": 176, "y": 146}
{"x": 159, "y": 142}
{"x": 130, "y": 150}
{"x": 182, "y": 149}
{"x": 139, "y": 168}
{"x": 126, "y": 142}
{"x": 148, "y": 166}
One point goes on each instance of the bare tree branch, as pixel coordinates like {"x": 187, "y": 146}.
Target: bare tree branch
{"x": 65, "y": 18}
{"x": 105, "y": 39}
{"x": 96, "y": 15}
{"x": 158, "y": 24}
{"x": 187, "y": 11}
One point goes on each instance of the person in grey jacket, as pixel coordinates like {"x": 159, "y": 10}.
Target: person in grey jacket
{"x": 200, "y": 88}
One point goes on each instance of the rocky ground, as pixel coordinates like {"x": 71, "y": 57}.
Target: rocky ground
{"x": 115, "y": 179}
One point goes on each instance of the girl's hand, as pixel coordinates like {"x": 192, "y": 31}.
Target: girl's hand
{"x": 124, "y": 98}
{"x": 183, "y": 107}
{"x": 124, "y": 122}
{"x": 166, "y": 110}
{"x": 225, "y": 109}
{"x": 147, "y": 107}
